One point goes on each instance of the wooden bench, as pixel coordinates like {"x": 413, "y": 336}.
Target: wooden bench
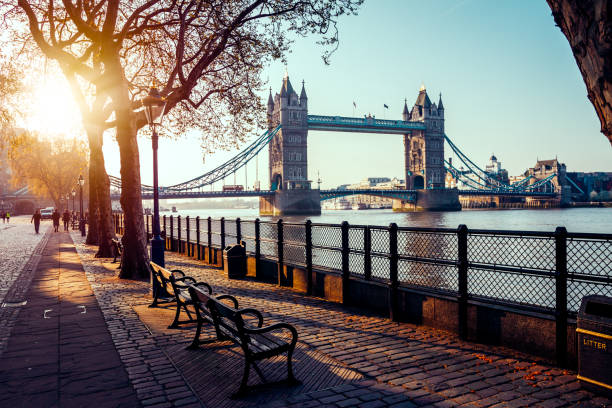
{"x": 117, "y": 250}
{"x": 175, "y": 283}
{"x": 257, "y": 342}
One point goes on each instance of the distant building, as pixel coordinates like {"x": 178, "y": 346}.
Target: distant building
{"x": 494, "y": 170}
{"x": 596, "y": 186}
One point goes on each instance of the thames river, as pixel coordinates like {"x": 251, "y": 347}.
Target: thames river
{"x": 574, "y": 219}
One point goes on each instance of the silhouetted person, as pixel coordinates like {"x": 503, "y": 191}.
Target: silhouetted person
{"x": 66, "y": 219}
{"x": 36, "y": 220}
{"x": 56, "y": 217}
{"x": 3, "y": 215}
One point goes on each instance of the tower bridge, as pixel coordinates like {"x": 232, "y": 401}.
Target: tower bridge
{"x": 425, "y": 167}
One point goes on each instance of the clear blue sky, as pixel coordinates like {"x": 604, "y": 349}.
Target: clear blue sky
{"x": 508, "y": 80}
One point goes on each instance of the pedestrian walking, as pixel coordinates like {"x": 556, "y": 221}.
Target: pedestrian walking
{"x": 56, "y": 217}
{"x": 3, "y": 215}
{"x": 66, "y": 219}
{"x": 36, "y": 220}
{"x": 8, "y": 217}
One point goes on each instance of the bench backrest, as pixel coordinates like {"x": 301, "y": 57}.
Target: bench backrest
{"x": 229, "y": 320}
{"x": 164, "y": 277}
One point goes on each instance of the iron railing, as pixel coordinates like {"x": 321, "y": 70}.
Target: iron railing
{"x": 543, "y": 272}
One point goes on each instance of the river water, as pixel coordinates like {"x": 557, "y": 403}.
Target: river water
{"x": 598, "y": 220}
{"x": 590, "y": 258}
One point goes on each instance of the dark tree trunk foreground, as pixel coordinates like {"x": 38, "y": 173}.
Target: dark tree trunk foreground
{"x": 135, "y": 259}
{"x": 94, "y": 216}
{"x": 587, "y": 24}
{"x": 104, "y": 231}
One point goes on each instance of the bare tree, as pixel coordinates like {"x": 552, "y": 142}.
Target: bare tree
{"x": 587, "y": 24}
{"x": 206, "y": 55}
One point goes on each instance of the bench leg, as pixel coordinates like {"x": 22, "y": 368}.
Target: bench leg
{"x": 245, "y": 378}
{"x": 196, "y": 339}
{"x": 175, "y": 323}
{"x": 290, "y": 377}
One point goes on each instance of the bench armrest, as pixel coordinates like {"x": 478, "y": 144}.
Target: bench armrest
{"x": 184, "y": 282}
{"x": 230, "y": 297}
{"x": 178, "y": 273}
{"x": 203, "y": 284}
{"x": 253, "y": 312}
{"x": 273, "y": 327}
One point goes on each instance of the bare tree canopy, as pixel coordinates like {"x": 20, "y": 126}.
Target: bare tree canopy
{"x": 587, "y": 24}
{"x": 49, "y": 167}
{"x": 205, "y": 56}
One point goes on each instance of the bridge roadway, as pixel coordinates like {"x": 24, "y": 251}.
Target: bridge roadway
{"x": 330, "y": 194}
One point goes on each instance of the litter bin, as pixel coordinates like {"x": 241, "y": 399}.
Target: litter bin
{"x": 234, "y": 261}
{"x": 594, "y": 329}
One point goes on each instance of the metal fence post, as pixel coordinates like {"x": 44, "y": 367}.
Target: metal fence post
{"x": 367, "y": 253}
{"x": 462, "y": 299}
{"x": 222, "y": 238}
{"x": 393, "y": 282}
{"x": 561, "y": 295}
{"x": 308, "y": 227}
{"x": 238, "y": 232}
{"x": 344, "y": 233}
{"x": 209, "y": 240}
{"x": 165, "y": 234}
{"x": 188, "y": 234}
{"x": 257, "y": 246}
{"x": 279, "y": 243}
{"x": 178, "y": 232}
{"x": 199, "y": 250}
{"x": 172, "y": 233}
{"x": 147, "y": 225}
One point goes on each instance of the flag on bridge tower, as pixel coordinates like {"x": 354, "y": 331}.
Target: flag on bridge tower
{"x": 386, "y": 106}
{"x": 354, "y": 104}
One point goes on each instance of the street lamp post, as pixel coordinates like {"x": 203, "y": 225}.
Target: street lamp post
{"x": 73, "y": 192}
{"x": 154, "y": 107}
{"x": 81, "y": 218}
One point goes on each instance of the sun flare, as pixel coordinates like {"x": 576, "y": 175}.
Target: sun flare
{"x": 53, "y": 111}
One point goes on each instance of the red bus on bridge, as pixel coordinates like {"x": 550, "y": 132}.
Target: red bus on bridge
{"x": 233, "y": 188}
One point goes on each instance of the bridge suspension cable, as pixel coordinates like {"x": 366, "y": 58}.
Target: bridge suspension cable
{"x": 220, "y": 172}
{"x": 482, "y": 180}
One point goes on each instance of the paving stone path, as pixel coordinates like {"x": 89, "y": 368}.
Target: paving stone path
{"x": 407, "y": 365}
{"x": 60, "y": 353}
{"x": 403, "y": 365}
{"x": 158, "y": 384}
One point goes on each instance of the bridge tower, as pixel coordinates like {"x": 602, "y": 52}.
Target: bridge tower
{"x": 288, "y": 155}
{"x": 424, "y": 157}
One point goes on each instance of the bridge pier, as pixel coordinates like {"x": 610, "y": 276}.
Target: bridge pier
{"x": 291, "y": 202}
{"x": 430, "y": 200}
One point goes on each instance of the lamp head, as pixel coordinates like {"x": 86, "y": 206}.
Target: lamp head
{"x": 81, "y": 180}
{"x": 154, "y": 106}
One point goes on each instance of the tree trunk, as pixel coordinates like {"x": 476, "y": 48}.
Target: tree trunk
{"x": 106, "y": 233}
{"x": 92, "y": 232}
{"x": 134, "y": 260}
{"x": 587, "y": 24}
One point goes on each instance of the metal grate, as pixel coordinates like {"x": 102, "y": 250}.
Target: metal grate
{"x": 428, "y": 275}
{"x": 329, "y": 236}
{"x": 427, "y": 245}
{"x": 538, "y": 290}
{"x": 525, "y": 252}
{"x": 589, "y": 256}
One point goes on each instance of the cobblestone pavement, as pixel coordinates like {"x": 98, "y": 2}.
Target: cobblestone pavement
{"x": 17, "y": 243}
{"x": 60, "y": 352}
{"x": 20, "y": 251}
{"x": 158, "y": 384}
{"x": 406, "y": 365}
